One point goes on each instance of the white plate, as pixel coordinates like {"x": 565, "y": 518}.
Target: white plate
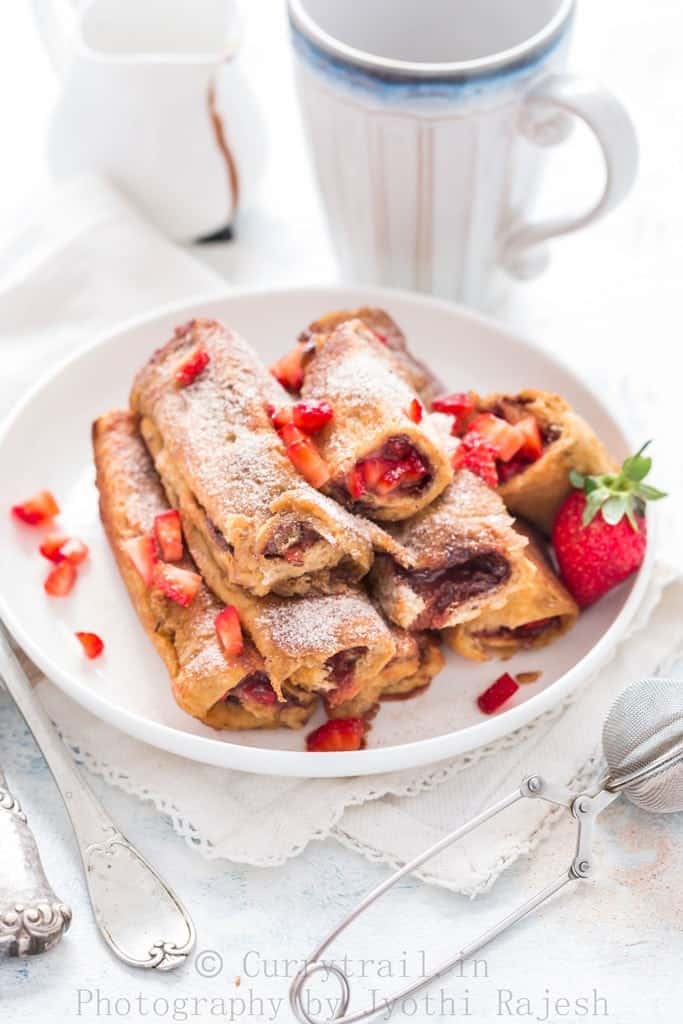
{"x": 46, "y": 444}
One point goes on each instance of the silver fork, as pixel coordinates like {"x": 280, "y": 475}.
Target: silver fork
{"x": 142, "y": 921}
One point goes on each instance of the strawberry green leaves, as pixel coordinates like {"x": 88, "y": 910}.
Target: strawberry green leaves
{"x": 616, "y": 495}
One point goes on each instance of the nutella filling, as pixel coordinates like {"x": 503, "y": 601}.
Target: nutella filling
{"x": 442, "y": 589}
{"x": 528, "y": 631}
{"x": 217, "y": 536}
{"x": 291, "y": 541}
{"x": 253, "y": 689}
{"x": 341, "y": 666}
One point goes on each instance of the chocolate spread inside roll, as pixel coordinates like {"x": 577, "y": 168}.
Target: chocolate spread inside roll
{"x": 214, "y": 446}
{"x": 332, "y": 644}
{"x": 417, "y": 659}
{"x": 538, "y": 610}
{"x": 453, "y": 586}
{"x": 449, "y": 562}
{"x": 224, "y": 691}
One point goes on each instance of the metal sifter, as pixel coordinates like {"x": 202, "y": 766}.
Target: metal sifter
{"x": 643, "y": 745}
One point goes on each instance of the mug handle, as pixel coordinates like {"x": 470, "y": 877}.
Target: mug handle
{"x": 610, "y": 123}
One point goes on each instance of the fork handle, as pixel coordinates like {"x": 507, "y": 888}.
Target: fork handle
{"x": 32, "y": 918}
{"x": 142, "y": 921}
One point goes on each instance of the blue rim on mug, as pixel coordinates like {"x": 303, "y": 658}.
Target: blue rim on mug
{"x": 324, "y": 50}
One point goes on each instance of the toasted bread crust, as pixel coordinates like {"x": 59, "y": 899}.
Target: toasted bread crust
{"x": 201, "y": 674}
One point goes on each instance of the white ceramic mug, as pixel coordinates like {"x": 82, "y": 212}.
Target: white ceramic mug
{"x": 428, "y": 120}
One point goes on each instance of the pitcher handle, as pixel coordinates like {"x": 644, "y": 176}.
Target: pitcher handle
{"x": 611, "y": 125}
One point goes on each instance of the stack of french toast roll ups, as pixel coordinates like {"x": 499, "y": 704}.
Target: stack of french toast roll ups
{"x": 330, "y": 534}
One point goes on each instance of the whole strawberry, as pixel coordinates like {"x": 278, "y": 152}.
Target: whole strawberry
{"x": 600, "y": 533}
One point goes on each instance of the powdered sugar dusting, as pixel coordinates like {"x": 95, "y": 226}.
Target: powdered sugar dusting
{"x": 466, "y": 519}
{"x": 320, "y": 625}
{"x": 218, "y": 435}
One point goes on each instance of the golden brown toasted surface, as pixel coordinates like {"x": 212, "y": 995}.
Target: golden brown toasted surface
{"x": 218, "y": 429}
{"x": 217, "y": 452}
{"x": 467, "y": 519}
{"x": 201, "y": 673}
{"x": 354, "y": 373}
{"x": 538, "y": 598}
{"x": 297, "y": 637}
{"x": 417, "y": 660}
{"x": 419, "y": 376}
{"x": 453, "y": 559}
{"x": 538, "y": 491}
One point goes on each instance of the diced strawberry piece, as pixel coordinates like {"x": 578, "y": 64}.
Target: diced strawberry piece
{"x": 373, "y": 471}
{"x": 291, "y": 434}
{"x": 414, "y": 411}
{"x": 477, "y": 455}
{"x": 312, "y": 416}
{"x": 337, "y": 734}
{"x": 229, "y": 630}
{"x": 51, "y": 548}
{"x": 191, "y": 366}
{"x": 294, "y": 555}
{"x": 179, "y": 585}
{"x": 74, "y": 550}
{"x": 169, "y": 535}
{"x": 461, "y": 405}
{"x": 532, "y": 441}
{"x": 506, "y": 470}
{"x": 498, "y": 432}
{"x": 309, "y": 462}
{"x": 281, "y": 417}
{"x": 289, "y": 370}
{"x": 93, "y": 645}
{"x": 143, "y": 553}
{"x": 60, "y": 580}
{"x": 389, "y": 481}
{"x": 535, "y": 627}
{"x": 356, "y": 482}
{"x": 401, "y": 474}
{"x": 58, "y": 548}
{"x": 257, "y": 691}
{"x": 36, "y": 510}
{"x": 382, "y": 475}
{"x": 496, "y": 695}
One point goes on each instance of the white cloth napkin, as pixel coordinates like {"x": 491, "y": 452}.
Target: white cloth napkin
{"x": 86, "y": 262}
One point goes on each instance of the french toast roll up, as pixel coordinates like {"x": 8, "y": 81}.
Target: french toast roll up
{"x": 214, "y": 445}
{"x": 417, "y": 660}
{"x": 539, "y": 610}
{"x": 448, "y": 563}
{"x": 387, "y": 331}
{"x": 536, "y": 489}
{"x": 383, "y": 461}
{"x": 224, "y": 691}
{"x": 332, "y": 644}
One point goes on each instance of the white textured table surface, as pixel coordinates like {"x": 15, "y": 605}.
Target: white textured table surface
{"x": 611, "y": 302}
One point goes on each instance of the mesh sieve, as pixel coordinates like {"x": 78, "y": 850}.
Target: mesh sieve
{"x": 645, "y": 725}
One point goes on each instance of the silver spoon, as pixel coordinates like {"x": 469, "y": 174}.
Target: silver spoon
{"x": 142, "y": 921}
{"x": 643, "y": 744}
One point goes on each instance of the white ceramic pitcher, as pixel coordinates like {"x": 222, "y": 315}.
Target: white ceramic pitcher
{"x": 153, "y": 98}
